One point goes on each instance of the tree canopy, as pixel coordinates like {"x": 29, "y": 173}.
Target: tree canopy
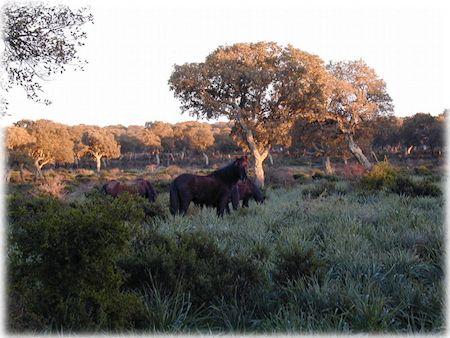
{"x": 261, "y": 87}
{"x": 41, "y": 41}
{"x": 357, "y": 95}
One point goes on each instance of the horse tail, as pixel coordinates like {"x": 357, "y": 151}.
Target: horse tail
{"x": 174, "y": 199}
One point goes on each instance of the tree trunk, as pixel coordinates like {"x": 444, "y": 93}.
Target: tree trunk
{"x": 327, "y": 165}
{"x": 158, "y": 160}
{"x": 271, "y": 159}
{"x": 8, "y": 175}
{"x": 99, "y": 163}
{"x": 375, "y": 156}
{"x": 21, "y": 172}
{"x": 357, "y": 152}
{"x": 409, "y": 150}
{"x": 259, "y": 170}
{"x": 258, "y": 156}
{"x": 182, "y": 155}
{"x": 206, "y": 159}
{"x": 38, "y": 169}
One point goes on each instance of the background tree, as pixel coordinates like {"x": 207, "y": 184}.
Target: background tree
{"x": 357, "y": 96}
{"x": 139, "y": 139}
{"x": 164, "y": 132}
{"x": 199, "y": 138}
{"x": 422, "y": 130}
{"x": 40, "y": 41}
{"x": 100, "y": 143}
{"x": 387, "y": 133}
{"x": 53, "y": 143}
{"x": 17, "y": 141}
{"x": 320, "y": 140}
{"x": 223, "y": 142}
{"x": 260, "y": 87}
{"x": 76, "y": 135}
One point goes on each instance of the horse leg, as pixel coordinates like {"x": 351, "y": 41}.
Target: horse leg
{"x": 184, "y": 204}
{"x": 227, "y": 209}
{"x": 235, "y": 198}
{"x": 245, "y": 203}
{"x": 223, "y": 203}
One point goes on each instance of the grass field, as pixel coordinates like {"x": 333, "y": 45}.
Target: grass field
{"x": 323, "y": 255}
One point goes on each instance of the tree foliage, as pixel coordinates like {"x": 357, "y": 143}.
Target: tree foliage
{"x": 41, "y": 41}
{"x": 52, "y": 142}
{"x": 357, "y": 95}
{"x": 261, "y": 87}
{"x": 100, "y": 143}
{"x": 422, "y": 130}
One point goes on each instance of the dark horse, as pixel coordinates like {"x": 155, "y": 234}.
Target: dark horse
{"x": 137, "y": 186}
{"x": 245, "y": 190}
{"x": 211, "y": 190}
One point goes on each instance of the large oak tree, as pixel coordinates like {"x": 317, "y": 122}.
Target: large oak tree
{"x": 261, "y": 87}
{"x": 357, "y": 95}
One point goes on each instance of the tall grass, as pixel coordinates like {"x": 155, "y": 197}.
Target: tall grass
{"x": 339, "y": 260}
{"x": 317, "y": 257}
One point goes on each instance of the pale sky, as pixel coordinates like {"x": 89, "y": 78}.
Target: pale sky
{"x": 133, "y": 45}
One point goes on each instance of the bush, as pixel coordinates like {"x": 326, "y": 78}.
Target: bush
{"x": 206, "y": 271}
{"x": 422, "y": 170}
{"x": 323, "y": 188}
{"x": 320, "y": 175}
{"x": 55, "y": 186}
{"x": 405, "y": 186}
{"x": 353, "y": 170}
{"x": 382, "y": 175}
{"x": 162, "y": 185}
{"x": 62, "y": 263}
{"x": 300, "y": 178}
{"x": 295, "y": 261}
{"x": 280, "y": 177}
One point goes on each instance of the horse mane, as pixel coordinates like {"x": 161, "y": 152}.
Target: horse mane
{"x": 227, "y": 173}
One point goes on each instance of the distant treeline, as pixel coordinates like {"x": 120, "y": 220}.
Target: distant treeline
{"x": 42, "y": 143}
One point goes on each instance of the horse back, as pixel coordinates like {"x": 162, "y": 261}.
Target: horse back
{"x": 201, "y": 189}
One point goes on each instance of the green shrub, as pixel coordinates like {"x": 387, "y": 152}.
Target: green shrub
{"x": 320, "y": 189}
{"x": 161, "y": 185}
{"x": 295, "y": 261}
{"x": 382, "y": 175}
{"x": 422, "y": 170}
{"x": 206, "y": 271}
{"x": 83, "y": 179}
{"x": 156, "y": 209}
{"x": 299, "y": 177}
{"x": 405, "y": 186}
{"x": 62, "y": 262}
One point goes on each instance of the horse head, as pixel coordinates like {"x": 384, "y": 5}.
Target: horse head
{"x": 241, "y": 164}
{"x": 257, "y": 193}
